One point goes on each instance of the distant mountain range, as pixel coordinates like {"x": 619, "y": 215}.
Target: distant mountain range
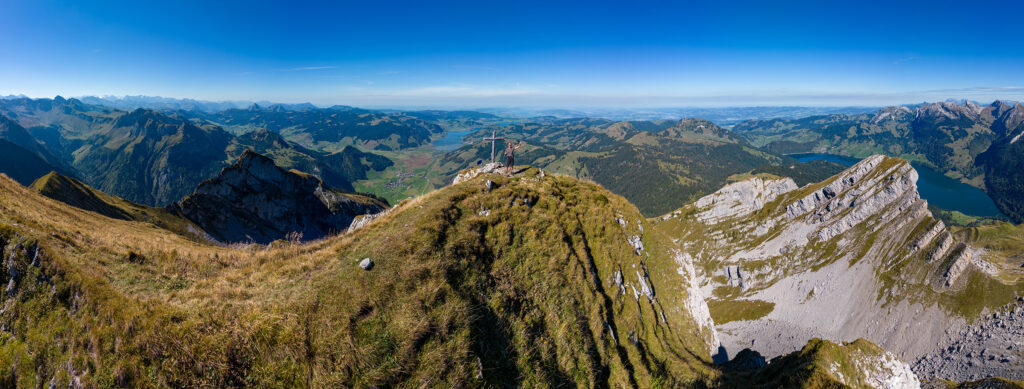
{"x": 723, "y": 116}
{"x": 173, "y": 104}
{"x": 151, "y": 157}
{"x": 977, "y": 144}
{"x": 328, "y": 128}
{"x": 155, "y": 156}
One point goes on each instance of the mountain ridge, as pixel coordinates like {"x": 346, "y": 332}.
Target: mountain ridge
{"x": 77, "y": 194}
{"x": 964, "y": 141}
{"x": 857, "y": 255}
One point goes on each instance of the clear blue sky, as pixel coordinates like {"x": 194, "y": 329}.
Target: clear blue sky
{"x": 482, "y": 53}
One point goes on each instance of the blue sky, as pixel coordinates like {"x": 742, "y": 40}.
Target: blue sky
{"x": 550, "y": 54}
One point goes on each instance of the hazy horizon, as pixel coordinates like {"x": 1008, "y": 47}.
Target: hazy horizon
{"x": 470, "y": 107}
{"x": 525, "y": 54}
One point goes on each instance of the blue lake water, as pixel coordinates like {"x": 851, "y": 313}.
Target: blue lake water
{"x": 452, "y": 140}
{"x": 933, "y": 186}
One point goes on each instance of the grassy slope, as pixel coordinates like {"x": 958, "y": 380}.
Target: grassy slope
{"x": 121, "y": 302}
{"x": 77, "y": 194}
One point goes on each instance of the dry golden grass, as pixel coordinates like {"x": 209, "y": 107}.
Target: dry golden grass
{"x": 525, "y": 293}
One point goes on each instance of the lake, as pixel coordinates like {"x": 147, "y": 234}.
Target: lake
{"x": 452, "y": 140}
{"x": 933, "y": 186}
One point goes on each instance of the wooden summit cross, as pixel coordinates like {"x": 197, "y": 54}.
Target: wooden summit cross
{"x": 493, "y": 139}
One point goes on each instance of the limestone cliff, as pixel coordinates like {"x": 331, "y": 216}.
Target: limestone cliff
{"x": 858, "y": 255}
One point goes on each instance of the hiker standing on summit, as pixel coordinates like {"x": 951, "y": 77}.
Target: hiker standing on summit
{"x": 510, "y": 157}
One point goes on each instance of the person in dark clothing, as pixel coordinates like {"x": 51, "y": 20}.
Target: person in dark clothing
{"x": 510, "y": 157}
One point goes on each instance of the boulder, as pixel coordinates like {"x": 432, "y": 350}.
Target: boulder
{"x": 366, "y": 264}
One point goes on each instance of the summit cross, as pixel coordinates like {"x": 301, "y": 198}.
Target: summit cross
{"x": 493, "y": 139}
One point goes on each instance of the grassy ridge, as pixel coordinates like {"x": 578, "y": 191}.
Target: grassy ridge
{"x": 522, "y": 295}
{"x": 77, "y": 194}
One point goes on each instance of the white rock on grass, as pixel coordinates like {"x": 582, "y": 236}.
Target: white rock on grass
{"x": 366, "y": 264}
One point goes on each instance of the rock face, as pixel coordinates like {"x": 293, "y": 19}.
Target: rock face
{"x": 695, "y": 301}
{"x": 741, "y": 198}
{"x": 857, "y": 255}
{"x": 254, "y": 200}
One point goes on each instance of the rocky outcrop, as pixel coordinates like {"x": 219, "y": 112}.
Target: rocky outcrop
{"x": 253, "y": 200}
{"x": 858, "y": 255}
{"x": 873, "y": 197}
{"x": 361, "y": 221}
{"x": 468, "y": 174}
{"x": 741, "y": 198}
{"x": 926, "y": 238}
{"x": 959, "y": 260}
{"x": 857, "y": 364}
{"x": 877, "y": 189}
{"x": 888, "y": 372}
{"x": 940, "y": 249}
{"x": 840, "y": 184}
